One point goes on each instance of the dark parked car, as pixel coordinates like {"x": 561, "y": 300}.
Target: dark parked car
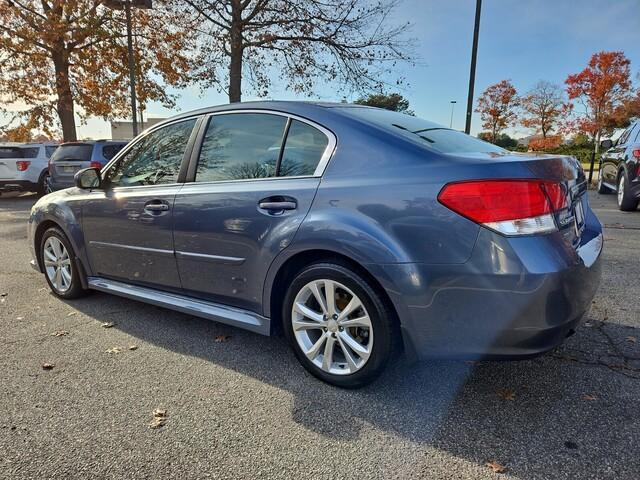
{"x": 352, "y": 229}
{"x": 620, "y": 168}
{"x": 72, "y": 157}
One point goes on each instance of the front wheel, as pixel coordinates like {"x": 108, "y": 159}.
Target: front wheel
{"x": 59, "y": 266}
{"x": 338, "y": 326}
{"x": 626, "y": 201}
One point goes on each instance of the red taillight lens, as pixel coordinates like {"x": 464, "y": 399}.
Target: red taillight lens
{"x": 636, "y": 153}
{"x": 22, "y": 165}
{"x": 509, "y": 206}
{"x": 95, "y": 164}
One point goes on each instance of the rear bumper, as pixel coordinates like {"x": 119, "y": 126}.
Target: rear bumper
{"x": 514, "y": 298}
{"x": 58, "y": 184}
{"x": 18, "y": 186}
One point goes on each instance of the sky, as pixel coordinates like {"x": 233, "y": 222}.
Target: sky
{"x": 525, "y": 41}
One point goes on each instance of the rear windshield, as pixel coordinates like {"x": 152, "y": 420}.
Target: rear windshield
{"x": 434, "y": 136}
{"x": 30, "y": 152}
{"x": 76, "y": 151}
{"x": 10, "y": 152}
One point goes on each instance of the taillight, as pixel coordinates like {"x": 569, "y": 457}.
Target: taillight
{"x": 22, "y": 165}
{"x": 511, "y": 207}
{"x": 636, "y": 153}
{"x": 95, "y": 164}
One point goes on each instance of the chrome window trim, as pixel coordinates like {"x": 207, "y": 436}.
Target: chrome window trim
{"x": 324, "y": 160}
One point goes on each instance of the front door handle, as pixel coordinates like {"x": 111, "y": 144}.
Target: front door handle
{"x": 278, "y": 205}
{"x": 156, "y": 206}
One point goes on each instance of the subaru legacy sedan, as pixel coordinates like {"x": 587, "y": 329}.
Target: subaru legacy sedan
{"x": 355, "y": 231}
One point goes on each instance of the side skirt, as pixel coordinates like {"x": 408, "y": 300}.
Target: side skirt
{"x": 199, "y": 308}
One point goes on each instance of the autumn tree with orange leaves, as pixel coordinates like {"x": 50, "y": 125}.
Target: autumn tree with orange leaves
{"x": 603, "y": 90}
{"x": 542, "y": 108}
{"x": 62, "y": 58}
{"x": 497, "y": 107}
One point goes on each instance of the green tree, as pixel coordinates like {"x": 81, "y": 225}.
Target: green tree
{"x": 393, "y": 101}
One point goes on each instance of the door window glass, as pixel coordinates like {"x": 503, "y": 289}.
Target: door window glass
{"x": 30, "y": 152}
{"x": 50, "y": 149}
{"x": 153, "y": 160}
{"x": 303, "y": 150}
{"x": 240, "y": 146}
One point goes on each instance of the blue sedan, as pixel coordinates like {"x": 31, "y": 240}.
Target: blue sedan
{"x": 357, "y": 232}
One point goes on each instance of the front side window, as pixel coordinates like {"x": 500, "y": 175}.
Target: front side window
{"x": 303, "y": 150}
{"x": 239, "y": 146}
{"x": 153, "y": 160}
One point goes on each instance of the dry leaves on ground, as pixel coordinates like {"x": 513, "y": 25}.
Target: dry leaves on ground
{"x": 60, "y": 333}
{"x": 47, "y": 366}
{"x": 222, "y": 338}
{"x": 107, "y": 325}
{"x": 133, "y": 347}
{"x": 506, "y": 394}
{"x": 496, "y": 467}
{"x": 632, "y": 339}
{"x": 159, "y": 418}
{"x": 590, "y": 398}
{"x": 114, "y": 350}
{"x": 71, "y": 314}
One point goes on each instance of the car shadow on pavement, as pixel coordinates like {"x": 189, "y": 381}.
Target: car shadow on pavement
{"x": 543, "y": 415}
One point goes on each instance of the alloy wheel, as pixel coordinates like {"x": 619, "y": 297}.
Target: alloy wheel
{"x": 332, "y": 327}
{"x": 621, "y": 189}
{"x": 57, "y": 264}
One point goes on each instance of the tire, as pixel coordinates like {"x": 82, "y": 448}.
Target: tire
{"x": 602, "y": 188}
{"x": 626, "y": 202}
{"x": 374, "y": 343}
{"x": 43, "y": 184}
{"x": 67, "y": 286}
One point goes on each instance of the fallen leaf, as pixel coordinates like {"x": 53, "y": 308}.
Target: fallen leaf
{"x": 605, "y": 317}
{"x": 60, "y": 333}
{"x": 159, "y": 418}
{"x": 590, "y": 398}
{"x": 507, "y": 394}
{"x": 222, "y": 338}
{"x": 496, "y": 467}
{"x": 71, "y": 314}
{"x": 114, "y": 350}
{"x": 107, "y": 325}
{"x": 588, "y": 324}
{"x": 133, "y": 347}
{"x": 47, "y": 366}
{"x": 19, "y": 318}
{"x": 632, "y": 339}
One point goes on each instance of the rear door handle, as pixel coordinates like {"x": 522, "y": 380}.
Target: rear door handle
{"x": 278, "y": 205}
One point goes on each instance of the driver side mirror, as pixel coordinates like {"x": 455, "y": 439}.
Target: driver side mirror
{"x": 88, "y": 178}
{"x": 606, "y": 144}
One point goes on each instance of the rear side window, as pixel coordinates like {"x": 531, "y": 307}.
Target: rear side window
{"x": 109, "y": 151}
{"x": 50, "y": 149}
{"x": 240, "y": 146}
{"x": 303, "y": 150}
{"x": 625, "y": 136}
{"x": 10, "y": 152}
{"x": 30, "y": 152}
{"x": 73, "y": 152}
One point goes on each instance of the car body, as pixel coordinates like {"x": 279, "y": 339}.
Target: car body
{"x": 620, "y": 168}
{"x": 24, "y": 166}
{"x": 378, "y": 209}
{"x": 70, "y": 157}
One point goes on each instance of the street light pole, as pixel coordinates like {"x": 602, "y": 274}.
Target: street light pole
{"x": 132, "y": 72}
{"x": 472, "y": 73}
{"x": 453, "y": 104}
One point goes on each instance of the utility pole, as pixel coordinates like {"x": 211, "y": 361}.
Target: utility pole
{"x": 126, "y": 5}
{"x": 453, "y": 104}
{"x": 472, "y": 73}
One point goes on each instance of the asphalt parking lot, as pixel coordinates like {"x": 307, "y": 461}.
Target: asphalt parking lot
{"x": 244, "y": 408}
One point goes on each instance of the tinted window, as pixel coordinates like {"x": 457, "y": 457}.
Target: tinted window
{"x": 153, "y": 160}
{"x": 30, "y": 152}
{"x": 73, "y": 151}
{"x": 109, "y": 151}
{"x": 625, "y": 136}
{"x": 10, "y": 152}
{"x": 240, "y": 146}
{"x": 430, "y": 134}
{"x": 50, "y": 149}
{"x": 303, "y": 150}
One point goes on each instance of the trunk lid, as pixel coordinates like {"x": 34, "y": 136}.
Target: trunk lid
{"x": 69, "y": 158}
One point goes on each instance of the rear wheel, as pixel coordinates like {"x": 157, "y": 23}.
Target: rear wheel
{"x": 43, "y": 185}
{"x": 59, "y": 266}
{"x": 338, "y": 326}
{"x": 626, "y": 202}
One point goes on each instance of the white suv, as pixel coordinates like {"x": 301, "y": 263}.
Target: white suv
{"x": 24, "y": 166}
